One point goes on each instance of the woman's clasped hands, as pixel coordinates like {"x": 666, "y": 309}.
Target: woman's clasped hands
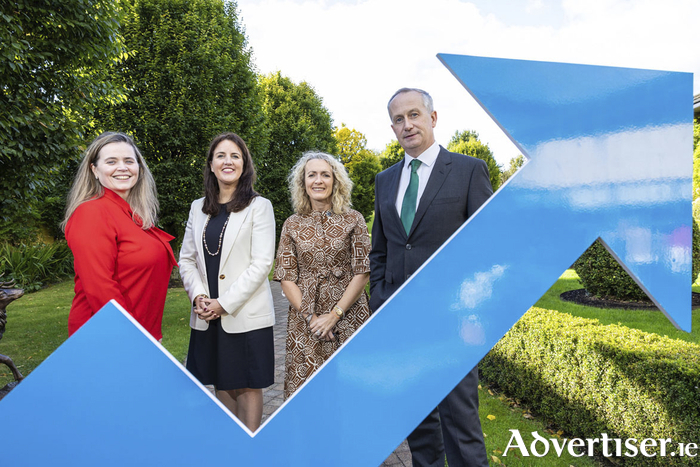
{"x": 208, "y": 309}
{"x": 321, "y": 327}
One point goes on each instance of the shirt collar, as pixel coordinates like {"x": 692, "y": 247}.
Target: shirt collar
{"x": 427, "y": 157}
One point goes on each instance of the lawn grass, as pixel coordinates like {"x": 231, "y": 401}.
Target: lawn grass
{"x": 38, "y": 323}
{"x": 644, "y": 320}
{"x": 498, "y": 415}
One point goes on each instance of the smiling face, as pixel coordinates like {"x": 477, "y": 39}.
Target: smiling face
{"x": 227, "y": 164}
{"x": 117, "y": 168}
{"x": 412, "y": 122}
{"x": 318, "y": 180}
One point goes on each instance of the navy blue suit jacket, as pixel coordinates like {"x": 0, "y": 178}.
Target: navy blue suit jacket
{"x": 457, "y": 187}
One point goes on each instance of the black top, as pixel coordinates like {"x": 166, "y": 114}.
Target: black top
{"x": 212, "y": 234}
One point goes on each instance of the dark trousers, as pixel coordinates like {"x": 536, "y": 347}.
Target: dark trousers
{"x": 453, "y": 429}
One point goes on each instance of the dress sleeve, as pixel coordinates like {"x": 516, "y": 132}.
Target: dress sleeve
{"x": 286, "y": 267}
{"x": 361, "y": 246}
{"x": 92, "y": 234}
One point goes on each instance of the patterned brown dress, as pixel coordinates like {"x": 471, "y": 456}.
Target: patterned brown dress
{"x": 320, "y": 252}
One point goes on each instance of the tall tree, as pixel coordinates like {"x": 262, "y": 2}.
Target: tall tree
{"x": 513, "y": 166}
{"x": 188, "y": 75}
{"x": 298, "y": 122}
{"x": 392, "y": 153}
{"x": 467, "y": 142}
{"x": 350, "y": 142}
{"x": 53, "y": 62}
{"x": 362, "y": 165}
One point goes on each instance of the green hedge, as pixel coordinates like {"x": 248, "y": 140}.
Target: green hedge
{"x": 590, "y": 379}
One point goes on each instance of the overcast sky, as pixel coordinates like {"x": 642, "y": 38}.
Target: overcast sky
{"x": 357, "y": 53}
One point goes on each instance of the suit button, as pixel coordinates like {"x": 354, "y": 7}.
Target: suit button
{"x": 222, "y": 277}
{"x": 408, "y": 246}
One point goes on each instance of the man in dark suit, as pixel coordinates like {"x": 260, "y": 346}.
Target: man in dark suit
{"x": 419, "y": 203}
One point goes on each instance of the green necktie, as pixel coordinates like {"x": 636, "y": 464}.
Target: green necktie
{"x": 408, "y": 208}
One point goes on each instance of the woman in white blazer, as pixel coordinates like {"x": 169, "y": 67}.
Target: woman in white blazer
{"x": 226, "y": 256}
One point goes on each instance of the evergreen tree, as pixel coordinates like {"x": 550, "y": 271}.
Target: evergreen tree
{"x": 53, "y": 62}
{"x": 467, "y": 142}
{"x": 187, "y": 77}
{"x": 298, "y": 122}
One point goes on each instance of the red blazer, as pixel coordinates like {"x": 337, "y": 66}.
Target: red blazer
{"x": 116, "y": 259}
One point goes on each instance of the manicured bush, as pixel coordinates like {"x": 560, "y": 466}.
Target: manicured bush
{"x": 33, "y": 266}
{"x": 601, "y": 275}
{"x": 590, "y": 379}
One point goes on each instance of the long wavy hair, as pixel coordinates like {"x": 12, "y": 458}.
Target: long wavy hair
{"x": 342, "y": 185}
{"x": 142, "y": 198}
{"x": 244, "y": 193}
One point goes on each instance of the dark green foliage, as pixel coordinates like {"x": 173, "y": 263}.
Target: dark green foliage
{"x": 37, "y": 265}
{"x": 298, "y": 122}
{"x": 467, "y": 142}
{"x": 52, "y": 205}
{"x": 53, "y": 62}
{"x": 392, "y": 154}
{"x": 362, "y": 169}
{"x": 602, "y": 276}
{"x": 187, "y": 77}
{"x": 589, "y": 379}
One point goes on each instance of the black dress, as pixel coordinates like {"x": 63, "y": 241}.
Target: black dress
{"x": 228, "y": 361}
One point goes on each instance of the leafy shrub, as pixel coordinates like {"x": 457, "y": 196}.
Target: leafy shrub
{"x": 33, "y": 266}
{"x": 602, "y": 275}
{"x": 590, "y": 379}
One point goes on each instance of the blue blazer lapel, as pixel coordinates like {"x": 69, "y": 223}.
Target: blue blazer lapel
{"x": 437, "y": 178}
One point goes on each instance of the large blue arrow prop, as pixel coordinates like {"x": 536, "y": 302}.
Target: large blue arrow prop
{"x": 610, "y": 156}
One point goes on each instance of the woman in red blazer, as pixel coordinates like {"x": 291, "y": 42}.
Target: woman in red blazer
{"x": 110, "y": 221}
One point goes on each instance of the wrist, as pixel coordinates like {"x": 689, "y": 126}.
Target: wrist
{"x": 307, "y": 317}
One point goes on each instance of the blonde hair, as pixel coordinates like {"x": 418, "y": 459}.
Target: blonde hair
{"x": 142, "y": 198}
{"x": 342, "y": 185}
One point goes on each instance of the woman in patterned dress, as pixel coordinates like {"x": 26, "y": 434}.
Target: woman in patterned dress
{"x": 322, "y": 264}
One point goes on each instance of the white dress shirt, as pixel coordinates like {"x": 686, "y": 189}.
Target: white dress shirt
{"x": 427, "y": 159}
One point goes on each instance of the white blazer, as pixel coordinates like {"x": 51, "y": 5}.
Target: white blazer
{"x": 247, "y": 254}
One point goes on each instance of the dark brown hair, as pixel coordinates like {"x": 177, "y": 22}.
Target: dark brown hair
{"x": 244, "y": 193}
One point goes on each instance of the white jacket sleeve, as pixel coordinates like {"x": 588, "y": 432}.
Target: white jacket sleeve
{"x": 192, "y": 277}
{"x": 262, "y": 255}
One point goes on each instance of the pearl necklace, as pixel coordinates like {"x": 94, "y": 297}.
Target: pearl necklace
{"x": 221, "y": 235}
